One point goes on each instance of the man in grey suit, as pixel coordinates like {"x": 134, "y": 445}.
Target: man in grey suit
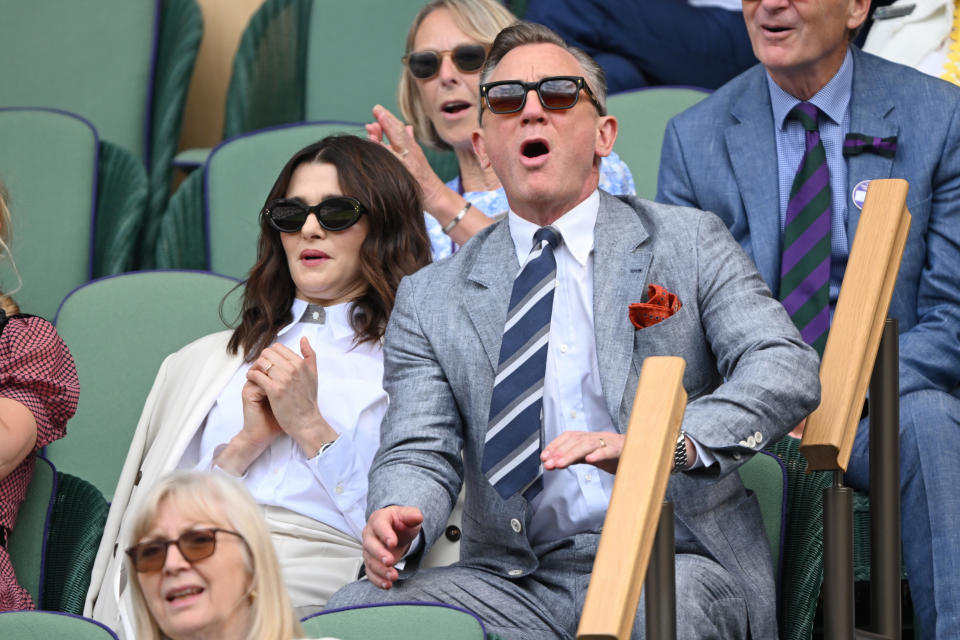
{"x": 736, "y": 154}
{"x": 527, "y": 550}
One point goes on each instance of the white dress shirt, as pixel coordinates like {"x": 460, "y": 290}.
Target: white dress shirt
{"x": 575, "y": 499}
{"x": 331, "y": 487}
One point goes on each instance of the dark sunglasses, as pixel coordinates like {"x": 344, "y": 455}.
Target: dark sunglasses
{"x": 555, "y": 92}
{"x": 194, "y": 545}
{"x": 333, "y": 214}
{"x": 426, "y": 64}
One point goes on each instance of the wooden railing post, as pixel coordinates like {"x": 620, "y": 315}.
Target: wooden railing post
{"x": 635, "y": 506}
{"x": 849, "y": 361}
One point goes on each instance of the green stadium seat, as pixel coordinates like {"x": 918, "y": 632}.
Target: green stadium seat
{"x": 43, "y": 625}
{"x": 642, "y": 115}
{"x": 124, "y": 66}
{"x": 119, "y": 330}
{"x": 302, "y": 50}
{"x": 55, "y": 540}
{"x": 73, "y": 536}
{"x": 28, "y": 537}
{"x": 766, "y": 475}
{"x": 401, "y": 621}
{"x": 66, "y": 205}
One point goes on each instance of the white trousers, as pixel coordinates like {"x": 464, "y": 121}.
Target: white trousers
{"x": 315, "y": 559}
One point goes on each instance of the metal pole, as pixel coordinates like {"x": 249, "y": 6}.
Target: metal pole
{"x": 660, "y": 588}
{"x": 885, "y": 487}
{"x": 838, "y": 616}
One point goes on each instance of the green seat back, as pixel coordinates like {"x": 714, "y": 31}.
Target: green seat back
{"x": 29, "y": 535}
{"x": 765, "y": 476}
{"x": 345, "y": 78}
{"x": 642, "y": 116}
{"x": 48, "y": 161}
{"x": 73, "y": 537}
{"x": 92, "y": 59}
{"x": 44, "y": 625}
{"x": 238, "y": 177}
{"x": 348, "y": 89}
{"x": 397, "y": 622}
{"x": 119, "y": 330}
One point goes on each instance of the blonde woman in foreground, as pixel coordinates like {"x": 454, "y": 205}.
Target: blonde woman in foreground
{"x": 203, "y": 565}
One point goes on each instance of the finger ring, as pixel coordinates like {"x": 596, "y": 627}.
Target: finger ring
{"x": 602, "y": 443}
{"x": 403, "y": 153}
{"x": 266, "y": 369}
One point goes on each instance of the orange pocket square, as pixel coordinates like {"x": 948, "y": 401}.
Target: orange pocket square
{"x": 660, "y": 305}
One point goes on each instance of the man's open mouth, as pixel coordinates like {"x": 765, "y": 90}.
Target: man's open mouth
{"x": 534, "y": 148}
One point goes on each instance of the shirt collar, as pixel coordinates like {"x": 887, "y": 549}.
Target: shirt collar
{"x": 337, "y": 317}
{"x": 832, "y": 99}
{"x": 576, "y": 227}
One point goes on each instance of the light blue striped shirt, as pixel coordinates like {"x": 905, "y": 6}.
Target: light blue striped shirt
{"x": 834, "y": 101}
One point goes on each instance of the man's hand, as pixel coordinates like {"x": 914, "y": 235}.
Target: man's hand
{"x": 386, "y": 538}
{"x": 798, "y": 430}
{"x": 601, "y": 449}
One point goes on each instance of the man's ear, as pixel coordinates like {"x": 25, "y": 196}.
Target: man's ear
{"x": 606, "y": 135}
{"x": 857, "y": 13}
{"x": 479, "y": 148}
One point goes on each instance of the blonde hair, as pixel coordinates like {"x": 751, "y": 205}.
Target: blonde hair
{"x": 6, "y": 302}
{"x": 227, "y": 503}
{"x": 480, "y": 20}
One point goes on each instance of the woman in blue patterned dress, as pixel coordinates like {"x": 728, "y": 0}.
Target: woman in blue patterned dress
{"x": 438, "y": 94}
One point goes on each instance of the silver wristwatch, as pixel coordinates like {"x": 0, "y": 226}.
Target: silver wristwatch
{"x": 680, "y": 454}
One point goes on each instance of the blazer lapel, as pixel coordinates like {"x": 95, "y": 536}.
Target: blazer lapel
{"x": 217, "y": 367}
{"x": 620, "y": 268}
{"x": 872, "y": 113}
{"x": 488, "y": 294}
{"x": 752, "y": 148}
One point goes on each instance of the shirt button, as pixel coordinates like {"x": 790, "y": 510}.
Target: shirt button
{"x": 563, "y": 348}
{"x": 276, "y": 471}
{"x": 339, "y": 489}
{"x": 588, "y": 477}
{"x": 515, "y": 572}
{"x": 516, "y": 526}
{"x": 556, "y": 282}
{"x": 315, "y": 315}
{"x": 573, "y": 414}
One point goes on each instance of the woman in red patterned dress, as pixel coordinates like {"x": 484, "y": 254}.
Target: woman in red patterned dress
{"x": 38, "y": 394}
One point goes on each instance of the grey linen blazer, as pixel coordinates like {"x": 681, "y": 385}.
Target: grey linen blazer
{"x": 749, "y": 377}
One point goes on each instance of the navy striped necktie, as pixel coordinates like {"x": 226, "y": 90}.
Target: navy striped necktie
{"x": 511, "y": 453}
{"x": 805, "y": 262}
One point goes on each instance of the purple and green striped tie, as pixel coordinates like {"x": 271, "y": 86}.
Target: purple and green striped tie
{"x": 805, "y": 264}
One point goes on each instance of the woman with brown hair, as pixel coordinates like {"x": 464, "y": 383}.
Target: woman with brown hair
{"x": 291, "y": 400}
{"x": 38, "y": 394}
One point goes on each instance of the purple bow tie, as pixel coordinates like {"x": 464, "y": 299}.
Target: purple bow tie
{"x": 856, "y": 143}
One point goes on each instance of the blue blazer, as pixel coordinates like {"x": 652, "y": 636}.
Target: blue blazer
{"x": 720, "y": 155}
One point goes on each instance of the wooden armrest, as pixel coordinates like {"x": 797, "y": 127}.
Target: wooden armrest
{"x": 857, "y": 324}
{"x": 634, "y": 511}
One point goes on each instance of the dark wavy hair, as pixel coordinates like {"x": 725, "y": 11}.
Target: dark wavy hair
{"x": 396, "y": 244}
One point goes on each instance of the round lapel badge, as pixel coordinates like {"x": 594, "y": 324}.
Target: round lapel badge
{"x": 859, "y": 193}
